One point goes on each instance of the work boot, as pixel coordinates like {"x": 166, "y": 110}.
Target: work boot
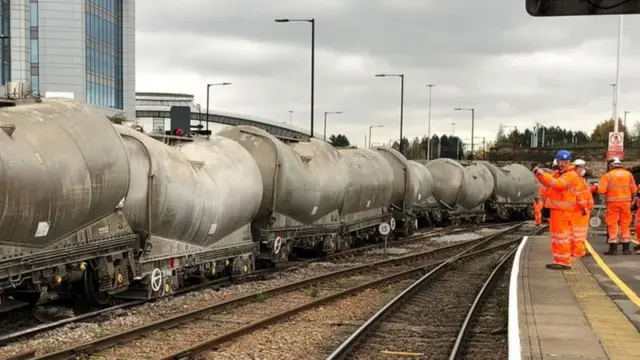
{"x": 625, "y": 249}
{"x": 558, "y": 267}
{"x": 613, "y": 250}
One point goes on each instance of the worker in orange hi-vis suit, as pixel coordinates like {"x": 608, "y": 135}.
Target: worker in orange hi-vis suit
{"x": 619, "y": 188}
{"x": 561, "y": 200}
{"x": 585, "y": 203}
{"x": 637, "y": 222}
{"x": 537, "y": 210}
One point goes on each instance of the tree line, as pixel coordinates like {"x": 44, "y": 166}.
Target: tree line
{"x": 548, "y": 137}
{"x": 441, "y": 146}
{"x": 558, "y": 137}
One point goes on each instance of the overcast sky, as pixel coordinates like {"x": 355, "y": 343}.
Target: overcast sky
{"x": 489, "y": 55}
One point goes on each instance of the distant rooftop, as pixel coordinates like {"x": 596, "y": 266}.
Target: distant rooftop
{"x": 158, "y": 105}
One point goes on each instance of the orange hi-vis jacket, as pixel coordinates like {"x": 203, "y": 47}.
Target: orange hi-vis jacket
{"x": 561, "y": 192}
{"x": 618, "y": 184}
{"x": 584, "y": 197}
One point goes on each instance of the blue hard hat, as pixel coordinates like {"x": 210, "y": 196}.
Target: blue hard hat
{"x": 563, "y": 155}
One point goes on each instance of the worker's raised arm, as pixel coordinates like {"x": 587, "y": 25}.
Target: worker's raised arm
{"x": 560, "y": 183}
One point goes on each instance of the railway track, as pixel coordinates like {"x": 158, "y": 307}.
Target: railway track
{"x": 224, "y": 321}
{"x": 435, "y": 317}
{"x": 259, "y": 275}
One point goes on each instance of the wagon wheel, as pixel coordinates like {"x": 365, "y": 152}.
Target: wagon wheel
{"x": 92, "y": 291}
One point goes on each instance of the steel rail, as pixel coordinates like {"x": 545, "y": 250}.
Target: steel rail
{"x": 204, "y": 346}
{"x": 131, "y": 334}
{"x": 456, "y": 351}
{"x": 18, "y": 335}
{"x": 347, "y": 346}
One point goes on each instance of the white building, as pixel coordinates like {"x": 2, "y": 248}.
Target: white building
{"x": 83, "y": 49}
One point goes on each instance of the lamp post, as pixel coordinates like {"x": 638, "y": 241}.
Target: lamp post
{"x": 371, "y": 127}
{"x": 473, "y": 121}
{"x": 325, "y": 121}
{"x": 313, "y": 57}
{"x": 290, "y": 116}
{"x": 430, "y": 86}
{"x": 401, "y": 76}
{"x": 209, "y": 86}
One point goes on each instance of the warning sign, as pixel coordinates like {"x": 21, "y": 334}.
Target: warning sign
{"x": 616, "y": 145}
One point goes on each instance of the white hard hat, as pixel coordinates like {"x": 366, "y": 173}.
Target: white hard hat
{"x": 616, "y": 161}
{"x": 580, "y": 162}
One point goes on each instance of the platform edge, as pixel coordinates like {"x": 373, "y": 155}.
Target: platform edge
{"x": 515, "y": 347}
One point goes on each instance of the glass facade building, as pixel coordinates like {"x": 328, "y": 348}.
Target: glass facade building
{"x": 84, "y": 49}
{"x": 103, "y": 20}
{"x": 5, "y": 48}
{"x": 34, "y": 47}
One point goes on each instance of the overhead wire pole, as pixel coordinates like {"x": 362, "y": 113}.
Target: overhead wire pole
{"x": 401, "y": 76}
{"x": 208, "y": 112}
{"x": 325, "y": 121}
{"x": 430, "y": 86}
{"x": 473, "y": 122}
{"x": 371, "y": 127}
{"x": 313, "y": 59}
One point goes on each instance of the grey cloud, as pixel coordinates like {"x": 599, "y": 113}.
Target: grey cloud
{"x": 450, "y": 43}
{"x": 449, "y": 28}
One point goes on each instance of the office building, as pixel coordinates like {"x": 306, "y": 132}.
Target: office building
{"x": 83, "y": 49}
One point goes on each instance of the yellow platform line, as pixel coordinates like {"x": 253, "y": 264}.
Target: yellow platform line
{"x": 612, "y": 275}
{"x": 617, "y": 335}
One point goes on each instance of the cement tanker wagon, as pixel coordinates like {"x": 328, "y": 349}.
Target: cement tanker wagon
{"x": 63, "y": 174}
{"x": 425, "y": 207}
{"x": 304, "y": 188}
{"x": 461, "y": 190}
{"x": 192, "y": 206}
{"x": 527, "y": 186}
{"x": 366, "y": 201}
{"x": 404, "y": 193}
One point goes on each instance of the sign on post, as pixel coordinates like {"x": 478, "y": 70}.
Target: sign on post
{"x": 616, "y": 145}
{"x": 385, "y": 229}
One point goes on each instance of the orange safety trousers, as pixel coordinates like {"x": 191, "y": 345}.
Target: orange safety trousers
{"x": 637, "y": 224}
{"x": 618, "y": 219}
{"x": 580, "y": 233}
{"x": 561, "y": 229}
{"x": 538, "y": 216}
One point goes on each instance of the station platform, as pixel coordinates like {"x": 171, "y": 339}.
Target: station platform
{"x": 569, "y": 315}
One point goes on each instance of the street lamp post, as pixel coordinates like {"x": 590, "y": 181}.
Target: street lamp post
{"x": 290, "y": 116}
{"x": 430, "y": 86}
{"x": 401, "y": 76}
{"x": 371, "y": 127}
{"x": 208, "y": 86}
{"x": 473, "y": 121}
{"x": 325, "y": 121}
{"x": 313, "y": 57}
